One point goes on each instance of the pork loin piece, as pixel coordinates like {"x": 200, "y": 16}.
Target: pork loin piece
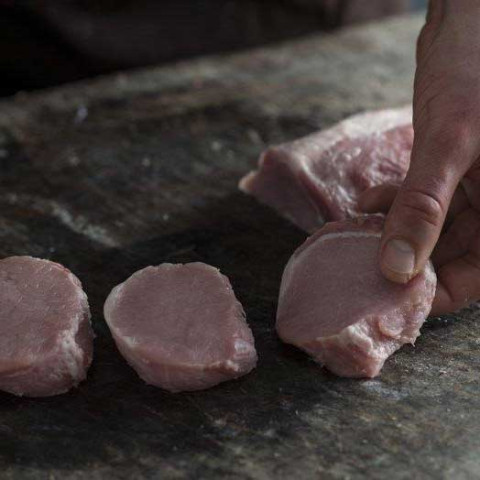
{"x": 336, "y": 305}
{"x": 46, "y": 341}
{"x": 320, "y": 177}
{"x": 181, "y": 327}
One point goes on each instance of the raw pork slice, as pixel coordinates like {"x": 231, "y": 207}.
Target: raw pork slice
{"x": 181, "y": 327}
{"x": 46, "y": 341}
{"x": 336, "y": 305}
{"x": 320, "y": 177}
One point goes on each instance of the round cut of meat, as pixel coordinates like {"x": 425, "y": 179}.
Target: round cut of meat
{"x": 320, "y": 177}
{"x": 181, "y": 327}
{"x": 46, "y": 341}
{"x": 336, "y": 305}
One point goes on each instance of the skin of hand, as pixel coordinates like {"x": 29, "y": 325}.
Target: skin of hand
{"x": 436, "y": 211}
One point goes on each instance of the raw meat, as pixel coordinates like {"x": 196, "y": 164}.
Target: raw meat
{"x": 336, "y": 305}
{"x": 181, "y": 327}
{"x": 46, "y": 341}
{"x": 320, "y": 177}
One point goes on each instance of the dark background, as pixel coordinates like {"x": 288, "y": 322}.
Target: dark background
{"x": 45, "y": 43}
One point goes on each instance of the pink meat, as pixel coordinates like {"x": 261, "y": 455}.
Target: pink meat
{"x": 320, "y": 177}
{"x": 46, "y": 341}
{"x": 336, "y": 305}
{"x": 181, "y": 327}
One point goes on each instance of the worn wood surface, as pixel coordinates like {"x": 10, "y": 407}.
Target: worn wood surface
{"x": 133, "y": 170}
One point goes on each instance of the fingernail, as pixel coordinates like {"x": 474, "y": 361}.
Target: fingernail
{"x": 399, "y": 257}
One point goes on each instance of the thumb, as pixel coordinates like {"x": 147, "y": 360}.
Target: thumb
{"x": 416, "y": 218}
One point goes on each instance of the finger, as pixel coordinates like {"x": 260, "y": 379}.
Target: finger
{"x": 459, "y": 204}
{"x": 457, "y": 262}
{"x": 471, "y": 187}
{"x": 377, "y": 199}
{"x": 455, "y": 242}
{"x": 458, "y": 284}
{"x": 416, "y": 218}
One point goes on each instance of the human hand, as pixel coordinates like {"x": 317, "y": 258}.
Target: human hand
{"x": 440, "y": 198}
